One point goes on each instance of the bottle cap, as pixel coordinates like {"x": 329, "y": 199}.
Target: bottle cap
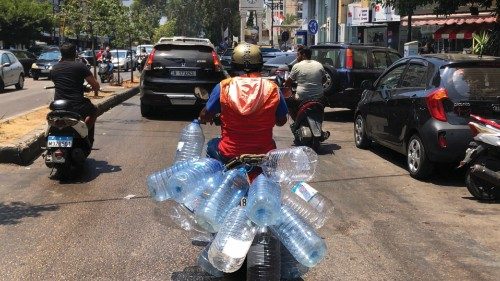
{"x": 196, "y": 121}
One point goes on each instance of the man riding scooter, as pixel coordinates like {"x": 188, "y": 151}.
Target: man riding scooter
{"x": 249, "y": 108}
{"x": 309, "y": 76}
{"x": 68, "y": 77}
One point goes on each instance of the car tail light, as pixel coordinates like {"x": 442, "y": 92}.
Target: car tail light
{"x": 435, "y": 104}
{"x": 63, "y": 122}
{"x": 149, "y": 62}
{"x": 443, "y": 143}
{"x": 349, "y": 59}
{"x": 58, "y": 153}
{"x": 217, "y": 64}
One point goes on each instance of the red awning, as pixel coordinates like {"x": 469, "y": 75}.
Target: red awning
{"x": 457, "y": 19}
{"x": 459, "y": 31}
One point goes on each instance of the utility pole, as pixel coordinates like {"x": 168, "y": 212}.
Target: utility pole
{"x": 272, "y": 5}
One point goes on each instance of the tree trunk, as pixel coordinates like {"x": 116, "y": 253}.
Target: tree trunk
{"x": 408, "y": 37}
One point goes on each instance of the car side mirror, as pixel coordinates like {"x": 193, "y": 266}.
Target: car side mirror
{"x": 367, "y": 85}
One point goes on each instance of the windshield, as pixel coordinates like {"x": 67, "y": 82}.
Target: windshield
{"x": 269, "y": 50}
{"x": 50, "y": 56}
{"x": 282, "y": 59}
{"x": 121, "y": 54}
{"x": 228, "y": 52}
{"x": 472, "y": 83}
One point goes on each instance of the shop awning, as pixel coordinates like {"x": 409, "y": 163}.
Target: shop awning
{"x": 459, "y": 31}
{"x": 458, "y": 19}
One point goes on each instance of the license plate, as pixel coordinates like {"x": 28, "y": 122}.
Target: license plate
{"x": 183, "y": 73}
{"x": 496, "y": 107}
{"x": 183, "y": 101}
{"x": 59, "y": 141}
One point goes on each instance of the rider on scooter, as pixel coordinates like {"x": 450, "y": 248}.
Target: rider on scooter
{"x": 309, "y": 75}
{"x": 107, "y": 57}
{"x": 249, "y": 107}
{"x": 68, "y": 77}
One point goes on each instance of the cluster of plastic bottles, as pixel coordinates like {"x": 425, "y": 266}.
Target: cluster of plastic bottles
{"x": 271, "y": 221}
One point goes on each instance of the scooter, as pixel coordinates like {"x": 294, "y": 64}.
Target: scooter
{"x": 68, "y": 142}
{"x": 483, "y": 159}
{"x": 308, "y": 119}
{"x": 104, "y": 71}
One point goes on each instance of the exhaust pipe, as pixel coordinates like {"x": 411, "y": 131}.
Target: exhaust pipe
{"x": 486, "y": 174}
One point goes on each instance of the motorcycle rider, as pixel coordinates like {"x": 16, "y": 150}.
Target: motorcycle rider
{"x": 107, "y": 57}
{"x": 68, "y": 77}
{"x": 249, "y": 107}
{"x": 309, "y": 75}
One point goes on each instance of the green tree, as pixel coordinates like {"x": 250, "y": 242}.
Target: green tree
{"x": 250, "y": 20}
{"x": 23, "y": 20}
{"x": 165, "y": 30}
{"x": 406, "y": 8}
{"x": 290, "y": 19}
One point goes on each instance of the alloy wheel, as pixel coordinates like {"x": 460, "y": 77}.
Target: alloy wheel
{"x": 358, "y": 129}
{"x": 328, "y": 82}
{"x": 21, "y": 81}
{"x": 414, "y": 155}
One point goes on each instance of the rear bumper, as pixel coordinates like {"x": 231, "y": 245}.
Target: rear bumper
{"x": 40, "y": 72}
{"x": 457, "y": 138}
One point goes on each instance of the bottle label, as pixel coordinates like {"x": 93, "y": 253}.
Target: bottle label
{"x": 304, "y": 191}
{"x": 180, "y": 145}
{"x": 236, "y": 249}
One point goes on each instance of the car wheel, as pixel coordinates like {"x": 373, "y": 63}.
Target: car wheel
{"x": 35, "y": 77}
{"x": 20, "y": 82}
{"x": 419, "y": 165}
{"x": 360, "y": 138}
{"x": 478, "y": 187}
{"x": 2, "y": 86}
{"x": 146, "y": 110}
{"x": 328, "y": 85}
{"x": 103, "y": 79}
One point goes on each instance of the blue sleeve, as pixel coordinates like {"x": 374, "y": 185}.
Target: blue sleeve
{"x": 213, "y": 103}
{"x": 282, "y": 109}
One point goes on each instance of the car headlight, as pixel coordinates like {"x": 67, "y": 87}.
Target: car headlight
{"x": 34, "y": 66}
{"x": 50, "y": 67}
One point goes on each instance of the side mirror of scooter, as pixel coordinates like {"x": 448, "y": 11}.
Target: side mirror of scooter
{"x": 367, "y": 85}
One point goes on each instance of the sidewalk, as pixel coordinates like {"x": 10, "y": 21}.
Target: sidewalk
{"x": 22, "y": 136}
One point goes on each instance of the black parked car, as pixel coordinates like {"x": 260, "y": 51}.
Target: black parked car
{"x": 420, "y": 107}
{"x": 25, "y": 58}
{"x": 347, "y": 65}
{"x": 44, "y": 63}
{"x": 179, "y": 74}
{"x": 279, "y": 65}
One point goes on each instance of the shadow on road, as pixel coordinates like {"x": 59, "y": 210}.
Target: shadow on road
{"x": 445, "y": 175}
{"x": 342, "y": 115}
{"x": 181, "y": 114}
{"x": 91, "y": 170}
{"x": 328, "y": 148}
{"x": 13, "y": 212}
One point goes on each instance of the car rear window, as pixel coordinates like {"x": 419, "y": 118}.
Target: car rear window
{"x": 472, "y": 83}
{"x": 184, "y": 56}
{"x": 228, "y": 52}
{"x": 269, "y": 50}
{"x": 360, "y": 58}
{"x": 333, "y": 57}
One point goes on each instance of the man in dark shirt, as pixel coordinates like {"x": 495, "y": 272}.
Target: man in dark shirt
{"x": 68, "y": 77}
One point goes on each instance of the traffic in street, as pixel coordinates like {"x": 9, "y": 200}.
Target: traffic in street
{"x": 103, "y": 225}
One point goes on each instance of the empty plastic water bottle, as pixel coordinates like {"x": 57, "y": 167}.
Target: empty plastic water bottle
{"x": 191, "y": 142}
{"x": 231, "y": 244}
{"x": 308, "y": 213}
{"x": 205, "y": 264}
{"x": 263, "y": 258}
{"x": 263, "y": 202}
{"x": 233, "y": 187}
{"x": 290, "y": 267}
{"x": 290, "y": 164}
{"x": 317, "y": 200}
{"x": 180, "y": 183}
{"x": 157, "y": 181}
{"x": 203, "y": 190}
{"x": 299, "y": 238}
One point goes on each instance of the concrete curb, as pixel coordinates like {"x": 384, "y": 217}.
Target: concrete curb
{"x": 29, "y": 147}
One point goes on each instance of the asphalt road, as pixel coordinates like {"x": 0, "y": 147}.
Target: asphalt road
{"x": 386, "y": 225}
{"x": 33, "y": 95}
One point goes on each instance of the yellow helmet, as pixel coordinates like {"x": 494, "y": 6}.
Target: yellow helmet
{"x": 247, "y": 57}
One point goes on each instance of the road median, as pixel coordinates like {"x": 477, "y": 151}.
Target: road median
{"x": 22, "y": 136}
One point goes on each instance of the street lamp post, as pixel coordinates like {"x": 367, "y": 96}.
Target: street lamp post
{"x": 272, "y": 5}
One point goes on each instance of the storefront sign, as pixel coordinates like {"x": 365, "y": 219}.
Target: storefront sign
{"x": 384, "y": 14}
{"x": 357, "y": 15}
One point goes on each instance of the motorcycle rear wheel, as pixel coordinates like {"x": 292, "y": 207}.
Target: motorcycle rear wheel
{"x": 479, "y": 188}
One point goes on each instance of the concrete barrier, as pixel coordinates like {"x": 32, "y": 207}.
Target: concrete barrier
{"x": 29, "y": 147}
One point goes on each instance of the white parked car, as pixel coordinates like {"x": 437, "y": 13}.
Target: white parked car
{"x": 124, "y": 59}
{"x": 11, "y": 71}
